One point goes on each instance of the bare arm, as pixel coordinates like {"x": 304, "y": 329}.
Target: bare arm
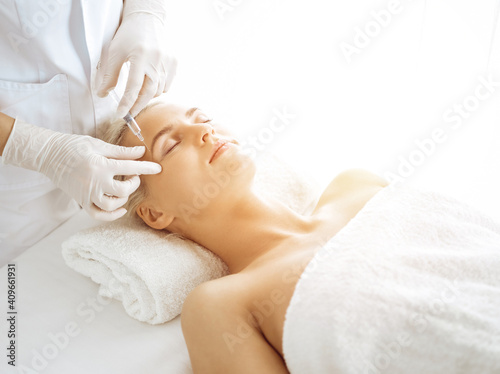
{"x": 221, "y": 337}
{"x": 6, "y": 124}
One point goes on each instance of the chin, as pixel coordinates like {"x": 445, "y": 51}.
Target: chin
{"x": 241, "y": 166}
{"x": 233, "y": 174}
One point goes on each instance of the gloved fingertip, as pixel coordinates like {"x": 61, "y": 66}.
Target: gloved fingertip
{"x": 111, "y": 216}
{"x": 139, "y": 150}
{"x": 150, "y": 168}
{"x": 105, "y": 88}
{"x": 119, "y": 213}
{"x": 159, "y": 168}
{"x": 155, "y": 168}
{"x": 103, "y": 91}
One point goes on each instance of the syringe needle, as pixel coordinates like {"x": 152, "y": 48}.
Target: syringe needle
{"x": 133, "y": 126}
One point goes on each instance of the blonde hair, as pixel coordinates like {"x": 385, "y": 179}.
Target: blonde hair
{"x": 114, "y": 131}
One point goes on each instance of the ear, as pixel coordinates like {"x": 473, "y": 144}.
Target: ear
{"x": 156, "y": 219}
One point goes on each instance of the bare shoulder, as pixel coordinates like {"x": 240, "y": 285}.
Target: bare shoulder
{"x": 225, "y": 289}
{"x": 350, "y": 180}
{"x": 359, "y": 176}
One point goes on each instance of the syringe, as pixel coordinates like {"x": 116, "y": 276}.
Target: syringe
{"x": 132, "y": 125}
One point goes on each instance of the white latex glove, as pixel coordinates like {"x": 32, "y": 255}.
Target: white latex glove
{"x": 140, "y": 40}
{"x": 81, "y": 166}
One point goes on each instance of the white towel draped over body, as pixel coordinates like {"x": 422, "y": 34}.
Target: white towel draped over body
{"x": 410, "y": 285}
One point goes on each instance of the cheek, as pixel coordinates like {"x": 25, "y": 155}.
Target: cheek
{"x": 181, "y": 177}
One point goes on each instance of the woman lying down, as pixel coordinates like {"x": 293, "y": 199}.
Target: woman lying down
{"x": 377, "y": 279}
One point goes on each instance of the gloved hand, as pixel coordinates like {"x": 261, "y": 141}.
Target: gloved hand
{"x": 81, "y": 166}
{"x": 139, "y": 40}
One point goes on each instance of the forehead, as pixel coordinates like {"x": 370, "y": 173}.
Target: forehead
{"x": 161, "y": 112}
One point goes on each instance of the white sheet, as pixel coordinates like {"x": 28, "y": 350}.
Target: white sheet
{"x": 50, "y": 295}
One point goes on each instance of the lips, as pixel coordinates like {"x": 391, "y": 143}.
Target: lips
{"x": 217, "y": 149}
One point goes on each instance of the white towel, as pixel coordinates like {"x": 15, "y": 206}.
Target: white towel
{"x": 410, "y": 285}
{"x": 152, "y": 272}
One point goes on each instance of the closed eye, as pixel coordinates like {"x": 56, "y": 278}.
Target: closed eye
{"x": 203, "y": 118}
{"x": 170, "y": 149}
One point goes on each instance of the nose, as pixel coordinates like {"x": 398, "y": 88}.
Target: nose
{"x": 206, "y": 131}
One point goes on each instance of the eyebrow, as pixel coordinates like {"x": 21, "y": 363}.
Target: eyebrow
{"x": 169, "y": 128}
{"x": 190, "y": 112}
{"x": 160, "y": 133}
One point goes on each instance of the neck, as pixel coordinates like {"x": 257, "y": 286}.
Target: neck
{"x": 244, "y": 232}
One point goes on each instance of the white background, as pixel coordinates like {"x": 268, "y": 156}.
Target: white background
{"x": 241, "y": 64}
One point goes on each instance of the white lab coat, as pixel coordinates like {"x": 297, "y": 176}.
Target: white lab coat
{"x": 49, "y": 53}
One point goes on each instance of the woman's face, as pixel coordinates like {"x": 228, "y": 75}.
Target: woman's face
{"x": 201, "y": 169}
